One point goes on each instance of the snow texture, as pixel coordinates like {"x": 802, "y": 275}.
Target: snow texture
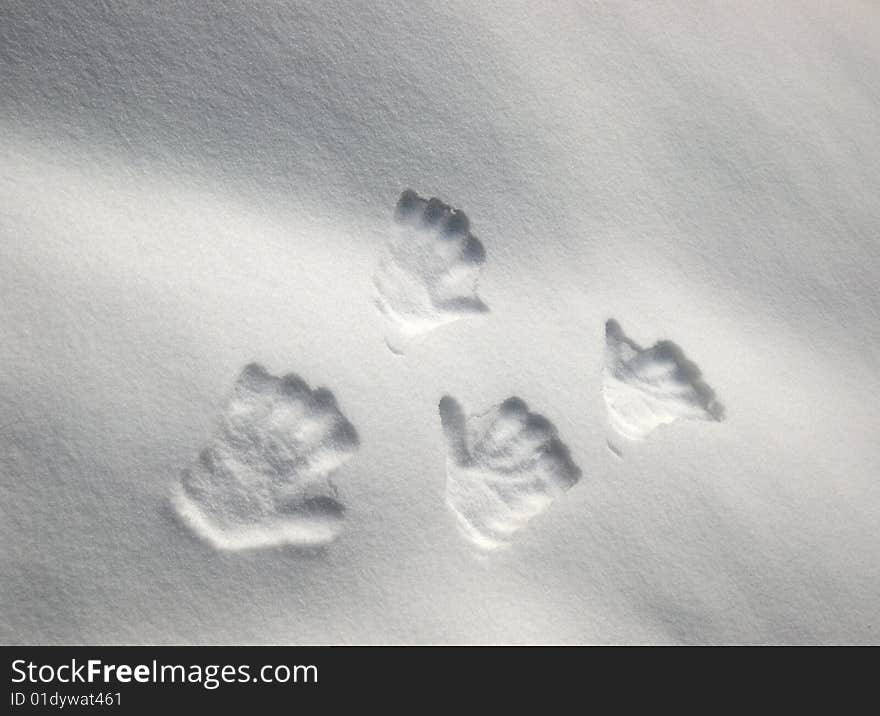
{"x": 191, "y": 189}
{"x": 648, "y": 387}
{"x": 503, "y": 467}
{"x": 264, "y": 480}
{"x": 428, "y": 275}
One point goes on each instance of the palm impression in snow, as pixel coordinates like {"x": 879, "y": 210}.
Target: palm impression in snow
{"x": 264, "y": 480}
{"x": 503, "y": 468}
{"x": 648, "y": 387}
{"x": 428, "y": 274}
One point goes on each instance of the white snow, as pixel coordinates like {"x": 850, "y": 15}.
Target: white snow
{"x": 187, "y": 190}
{"x": 265, "y": 479}
{"x": 504, "y": 467}
{"x": 428, "y": 274}
{"x": 645, "y": 388}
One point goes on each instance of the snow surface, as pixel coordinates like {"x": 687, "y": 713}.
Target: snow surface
{"x": 265, "y": 479}
{"x": 503, "y": 467}
{"x": 648, "y": 387}
{"x": 188, "y": 189}
{"x": 428, "y": 274}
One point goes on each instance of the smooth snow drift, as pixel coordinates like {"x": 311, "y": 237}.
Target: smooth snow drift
{"x": 264, "y": 479}
{"x": 188, "y": 190}
{"x": 504, "y": 467}
{"x": 428, "y": 275}
{"x": 645, "y": 388}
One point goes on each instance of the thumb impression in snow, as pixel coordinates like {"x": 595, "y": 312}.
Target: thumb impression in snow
{"x": 452, "y": 420}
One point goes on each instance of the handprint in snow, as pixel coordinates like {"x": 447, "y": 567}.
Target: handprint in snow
{"x": 264, "y": 478}
{"x": 503, "y": 467}
{"x": 428, "y": 274}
